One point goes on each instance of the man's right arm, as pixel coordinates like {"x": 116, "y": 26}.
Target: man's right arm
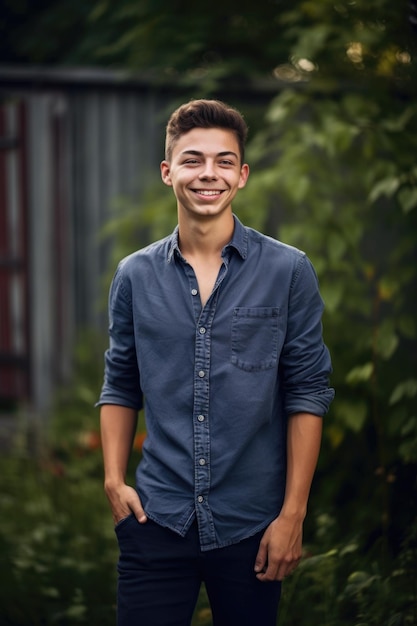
{"x": 118, "y": 427}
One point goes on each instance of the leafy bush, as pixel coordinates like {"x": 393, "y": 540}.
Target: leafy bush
{"x": 343, "y": 586}
{"x": 57, "y": 545}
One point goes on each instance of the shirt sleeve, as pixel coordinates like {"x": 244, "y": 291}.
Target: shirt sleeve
{"x": 121, "y": 373}
{"x": 305, "y": 364}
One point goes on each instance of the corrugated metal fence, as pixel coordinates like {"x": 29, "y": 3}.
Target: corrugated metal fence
{"x": 14, "y": 342}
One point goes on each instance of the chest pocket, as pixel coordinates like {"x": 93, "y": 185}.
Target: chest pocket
{"x": 255, "y": 338}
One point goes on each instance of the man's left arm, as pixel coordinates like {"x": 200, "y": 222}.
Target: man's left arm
{"x": 280, "y": 549}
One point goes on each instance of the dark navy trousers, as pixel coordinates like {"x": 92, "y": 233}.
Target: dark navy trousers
{"x": 160, "y": 574}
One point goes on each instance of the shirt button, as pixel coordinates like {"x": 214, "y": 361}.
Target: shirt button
{"x": 194, "y": 292}
{"x": 202, "y": 461}
{"x": 201, "y": 373}
{"x": 202, "y": 330}
{"x": 200, "y": 499}
{"x": 201, "y": 418}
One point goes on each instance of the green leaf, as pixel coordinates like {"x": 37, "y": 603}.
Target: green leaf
{"x": 406, "y": 389}
{"x": 311, "y": 40}
{"x": 408, "y": 450}
{"x": 398, "y": 123}
{"x": 358, "y": 578}
{"x": 332, "y": 295}
{"x": 385, "y": 187}
{"x": 360, "y": 373}
{"x": 410, "y": 427}
{"x": 351, "y": 414}
{"x": 349, "y": 548}
{"x": 407, "y": 197}
{"x": 337, "y": 246}
{"x": 387, "y": 340}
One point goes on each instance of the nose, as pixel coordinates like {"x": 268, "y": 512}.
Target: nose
{"x": 208, "y": 171}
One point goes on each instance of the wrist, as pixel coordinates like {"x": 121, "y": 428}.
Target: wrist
{"x": 113, "y": 483}
{"x": 293, "y": 512}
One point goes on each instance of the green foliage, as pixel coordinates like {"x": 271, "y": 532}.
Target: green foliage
{"x": 132, "y": 226}
{"x": 334, "y": 593}
{"x": 57, "y": 547}
{"x": 183, "y": 43}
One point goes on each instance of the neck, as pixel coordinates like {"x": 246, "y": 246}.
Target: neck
{"x": 205, "y": 237}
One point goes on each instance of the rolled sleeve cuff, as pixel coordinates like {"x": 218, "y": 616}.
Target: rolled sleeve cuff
{"x": 109, "y": 396}
{"x": 316, "y": 405}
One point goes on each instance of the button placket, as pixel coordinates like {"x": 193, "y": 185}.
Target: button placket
{"x": 201, "y": 404}
{"x": 201, "y": 422}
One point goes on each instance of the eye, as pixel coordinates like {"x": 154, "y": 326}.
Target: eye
{"x": 191, "y": 161}
{"x": 226, "y": 162}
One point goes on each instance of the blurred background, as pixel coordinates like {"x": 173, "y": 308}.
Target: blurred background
{"x": 329, "y": 92}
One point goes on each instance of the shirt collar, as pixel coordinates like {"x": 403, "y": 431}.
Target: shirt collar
{"x": 239, "y": 241}
{"x": 173, "y": 247}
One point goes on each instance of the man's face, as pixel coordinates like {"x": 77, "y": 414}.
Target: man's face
{"x": 205, "y": 172}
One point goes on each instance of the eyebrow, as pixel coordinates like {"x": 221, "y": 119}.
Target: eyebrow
{"x": 220, "y": 154}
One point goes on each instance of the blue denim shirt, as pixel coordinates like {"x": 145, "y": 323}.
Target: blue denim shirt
{"x": 217, "y": 383}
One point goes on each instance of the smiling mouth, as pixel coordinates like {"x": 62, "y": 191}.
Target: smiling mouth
{"x": 208, "y": 192}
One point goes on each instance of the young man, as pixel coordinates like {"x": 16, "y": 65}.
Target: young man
{"x": 216, "y": 331}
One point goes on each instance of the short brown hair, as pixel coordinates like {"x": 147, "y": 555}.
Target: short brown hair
{"x": 205, "y": 114}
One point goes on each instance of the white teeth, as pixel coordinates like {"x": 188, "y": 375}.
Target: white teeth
{"x": 205, "y": 192}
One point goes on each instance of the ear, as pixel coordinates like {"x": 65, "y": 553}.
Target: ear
{"x": 165, "y": 173}
{"x": 244, "y": 175}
